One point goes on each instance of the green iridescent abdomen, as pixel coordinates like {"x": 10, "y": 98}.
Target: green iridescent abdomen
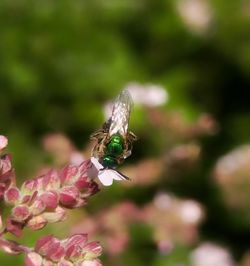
{"x": 114, "y": 149}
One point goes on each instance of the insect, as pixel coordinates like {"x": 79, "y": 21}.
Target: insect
{"x": 114, "y": 140}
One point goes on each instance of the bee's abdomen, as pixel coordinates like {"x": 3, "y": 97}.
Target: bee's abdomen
{"x": 109, "y": 162}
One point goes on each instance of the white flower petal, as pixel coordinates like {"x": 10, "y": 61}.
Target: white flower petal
{"x": 105, "y": 178}
{"x": 108, "y": 175}
{"x": 96, "y": 163}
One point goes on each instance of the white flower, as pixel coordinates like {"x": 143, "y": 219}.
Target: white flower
{"x": 106, "y": 176}
{"x": 149, "y": 94}
{"x": 209, "y": 254}
{"x": 196, "y": 14}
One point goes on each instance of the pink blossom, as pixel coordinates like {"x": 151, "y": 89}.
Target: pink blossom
{"x": 12, "y": 195}
{"x": 33, "y": 259}
{"x": 14, "y": 227}
{"x": 7, "y": 174}
{"x": 20, "y": 213}
{"x": 71, "y": 251}
{"x": 3, "y": 142}
{"x": 91, "y": 263}
{"x": 37, "y": 222}
{"x": 69, "y": 196}
{"x": 44, "y": 200}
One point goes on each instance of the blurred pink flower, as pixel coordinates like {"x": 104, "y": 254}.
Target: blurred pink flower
{"x": 173, "y": 220}
{"x": 62, "y": 149}
{"x": 146, "y": 172}
{"x": 231, "y": 173}
{"x": 209, "y": 254}
{"x": 111, "y": 225}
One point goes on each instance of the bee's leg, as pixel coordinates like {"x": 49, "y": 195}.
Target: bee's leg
{"x": 120, "y": 160}
{"x": 97, "y": 135}
{"x": 124, "y": 176}
{"x": 98, "y": 149}
{"x": 102, "y": 145}
{"x": 131, "y": 136}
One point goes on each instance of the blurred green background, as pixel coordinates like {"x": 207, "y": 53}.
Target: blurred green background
{"x": 60, "y": 61}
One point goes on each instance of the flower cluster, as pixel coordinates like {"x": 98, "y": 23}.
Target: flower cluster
{"x": 43, "y": 200}
{"x": 7, "y": 174}
{"x": 74, "y": 250}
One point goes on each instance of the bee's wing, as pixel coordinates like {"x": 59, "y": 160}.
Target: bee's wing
{"x": 120, "y": 114}
{"x": 106, "y": 176}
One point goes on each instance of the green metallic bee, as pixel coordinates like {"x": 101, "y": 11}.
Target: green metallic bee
{"x": 114, "y": 141}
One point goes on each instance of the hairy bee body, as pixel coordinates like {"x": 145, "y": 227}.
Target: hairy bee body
{"x": 114, "y": 141}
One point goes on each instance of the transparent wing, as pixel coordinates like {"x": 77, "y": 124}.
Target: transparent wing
{"x": 120, "y": 114}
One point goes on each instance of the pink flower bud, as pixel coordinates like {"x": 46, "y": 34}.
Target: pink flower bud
{"x": 50, "y": 247}
{"x": 5, "y": 164}
{"x": 51, "y": 181}
{"x": 69, "y": 196}
{"x": 10, "y": 247}
{"x": 43, "y": 244}
{"x": 68, "y": 174}
{"x": 65, "y": 263}
{"x": 7, "y": 174}
{"x": 90, "y": 263}
{"x": 74, "y": 253}
{"x": 73, "y": 249}
{"x": 84, "y": 166}
{"x": 33, "y": 259}
{"x": 3, "y": 142}
{"x": 80, "y": 203}
{"x": 50, "y": 199}
{"x": 37, "y": 222}
{"x": 93, "y": 250}
{"x": 37, "y": 207}
{"x": 14, "y": 227}
{"x": 29, "y": 187}
{"x": 12, "y": 195}
{"x": 78, "y": 239}
{"x": 58, "y": 215}
{"x": 82, "y": 182}
{"x": 47, "y": 263}
{"x": 74, "y": 246}
{"x": 20, "y": 213}
{"x": 56, "y": 252}
{"x": 92, "y": 189}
